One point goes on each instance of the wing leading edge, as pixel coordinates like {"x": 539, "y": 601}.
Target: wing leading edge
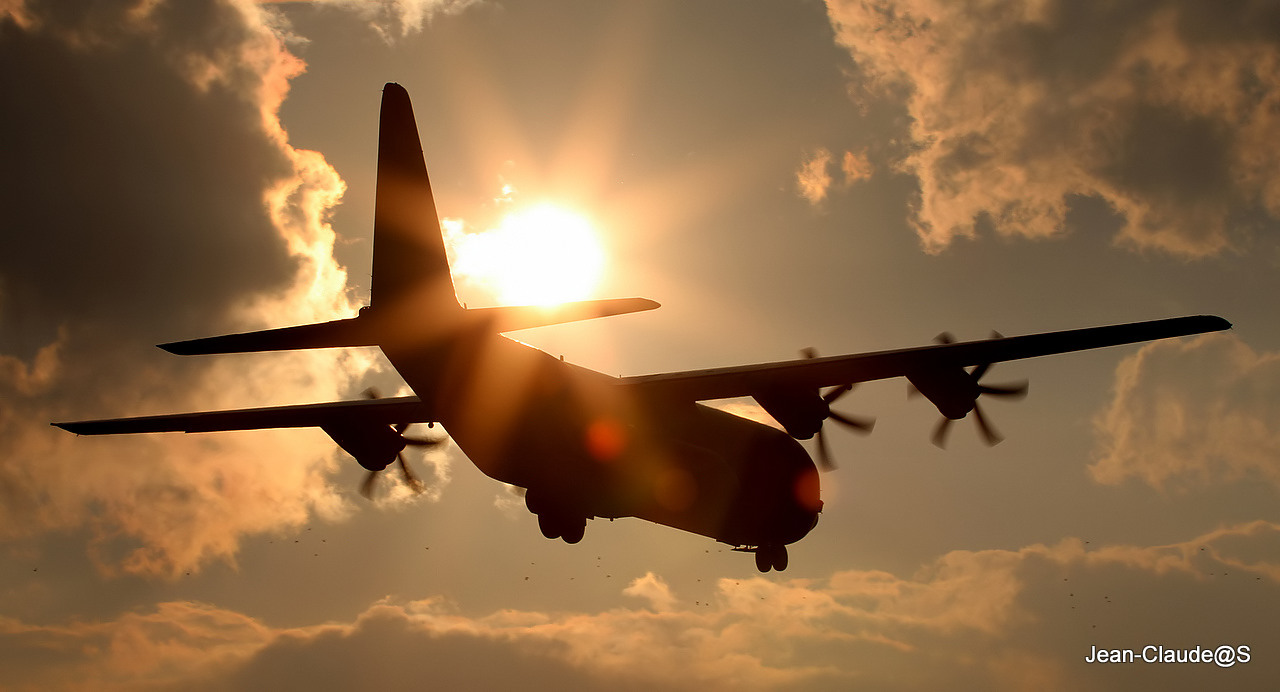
{"x": 389, "y": 411}
{"x": 815, "y": 373}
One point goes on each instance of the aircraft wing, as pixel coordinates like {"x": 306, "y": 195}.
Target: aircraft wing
{"x": 389, "y": 411}
{"x": 815, "y": 373}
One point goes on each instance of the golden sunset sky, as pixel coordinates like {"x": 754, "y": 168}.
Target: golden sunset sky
{"x": 848, "y": 176}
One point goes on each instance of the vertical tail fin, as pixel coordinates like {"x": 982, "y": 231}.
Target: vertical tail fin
{"x": 410, "y": 268}
{"x": 413, "y": 300}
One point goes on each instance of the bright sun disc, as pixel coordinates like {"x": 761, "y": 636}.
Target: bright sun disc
{"x": 539, "y": 256}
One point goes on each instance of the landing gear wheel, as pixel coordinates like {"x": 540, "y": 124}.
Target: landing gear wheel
{"x": 771, "y": 557}
{"x": 548, "y": 526}
{"x": 763, "y": 562}
{"x": 571, "y": 529}
{"x": 574, "y": 530}
{"x": 780, "y": 558}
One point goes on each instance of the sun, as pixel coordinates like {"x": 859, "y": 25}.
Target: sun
{"x": 539, "y": 255}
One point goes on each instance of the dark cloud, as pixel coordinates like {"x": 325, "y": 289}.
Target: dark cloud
{"x": 148, "y": 193}
{"x": 389, "y": 649}
{"x": 131, "y": 196}
{"x": 1164, "y": 109}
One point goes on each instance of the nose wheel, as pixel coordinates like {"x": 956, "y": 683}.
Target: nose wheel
{"x": 771, "y": 557}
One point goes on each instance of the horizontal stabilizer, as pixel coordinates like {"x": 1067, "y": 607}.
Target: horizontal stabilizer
{"x": 338, "y": 333}
{"x": 367, "y": 329}
{"x": 512, "y": 318}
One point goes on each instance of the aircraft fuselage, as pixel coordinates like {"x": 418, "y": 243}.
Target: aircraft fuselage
{"x": 584, "y": 448}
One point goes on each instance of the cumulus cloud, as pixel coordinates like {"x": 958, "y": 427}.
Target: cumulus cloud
{"x": 990, "y": 619}
{"x": 1192, "y": 413}
{"x": 1164, "y": 109}
{"x": 164, "y": 649}
{"x": 653, "y": 589}
{"x": 150, "y": 194}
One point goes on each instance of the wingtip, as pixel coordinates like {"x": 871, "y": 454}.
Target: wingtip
{"x": 191, "y": 347}
{"x": 1211, "y": 323}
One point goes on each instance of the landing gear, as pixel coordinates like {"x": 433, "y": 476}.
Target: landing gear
{"x": 571, "y": 529}
{"x": 574, "y": 530}
{"x": 771, "y": 557}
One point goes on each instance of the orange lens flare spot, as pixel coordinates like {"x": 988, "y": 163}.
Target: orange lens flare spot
{"x": 605, "y": 439}
{"x": 808, "y": 490}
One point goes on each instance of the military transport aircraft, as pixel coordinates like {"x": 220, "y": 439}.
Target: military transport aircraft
{"x": 583, "y": 444}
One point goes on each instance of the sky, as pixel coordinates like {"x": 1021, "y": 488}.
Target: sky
{"x": 847, "y": 176}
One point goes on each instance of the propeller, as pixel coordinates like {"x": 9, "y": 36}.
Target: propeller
{"x": 410, "y": 479}
{"x": 858, "y": 424}
{"x": 1013, "y": 390}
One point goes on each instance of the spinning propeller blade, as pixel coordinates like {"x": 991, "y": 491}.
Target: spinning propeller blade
{"x": 410, "y": 479}
{"x": 1012, "y": 390}
{"x": 858, "y": 424}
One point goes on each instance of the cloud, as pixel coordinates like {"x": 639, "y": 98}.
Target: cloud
{"x": 1192, "y": 413}
{"x": 814, "y": 180}
{"x": 856, "y": 167}
{"x": 988, "y": 619}
{"x": 1166, "y": 110}
{"x": 150, "y": 194}
{"x": 653, "y": 589}
{"x": 393, "y": 19}
{"x": 175, "y": 644}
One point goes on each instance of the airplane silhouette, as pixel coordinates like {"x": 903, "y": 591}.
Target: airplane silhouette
{"x": 583, "y": 444}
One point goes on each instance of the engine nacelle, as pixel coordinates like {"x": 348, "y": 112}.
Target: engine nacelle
{"x": 799, "y": 413}
{"x": 373, "y": 446}
{"x": 953, "y": 391}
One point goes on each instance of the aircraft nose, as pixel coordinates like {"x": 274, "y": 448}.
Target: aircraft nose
{"x": 805, "y": 503}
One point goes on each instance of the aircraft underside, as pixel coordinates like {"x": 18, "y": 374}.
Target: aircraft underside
{"x": 582, "y": 449}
